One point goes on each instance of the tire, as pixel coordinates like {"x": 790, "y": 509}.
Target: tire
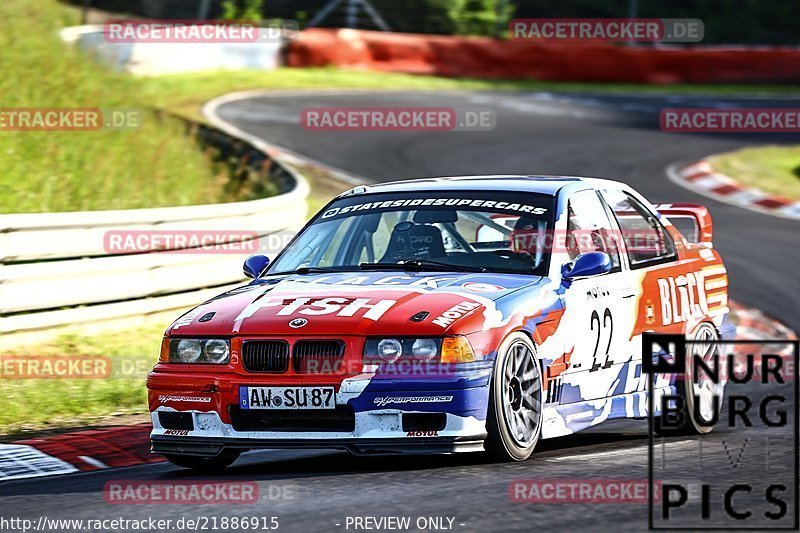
{"x": 691, "y": 392}
{"x": 207, "y": 465}
{"x": 514, "y": 418}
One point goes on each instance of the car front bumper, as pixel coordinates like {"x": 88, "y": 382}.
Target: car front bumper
{"x": 378, "y": 416}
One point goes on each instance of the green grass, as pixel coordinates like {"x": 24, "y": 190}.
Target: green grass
{"x": 149, "y": 166}
{"x": 35, "y": 404}
{"x": 774, "y": 169}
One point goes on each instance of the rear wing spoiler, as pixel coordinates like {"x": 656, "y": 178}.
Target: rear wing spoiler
{"x": 692, "y": 220}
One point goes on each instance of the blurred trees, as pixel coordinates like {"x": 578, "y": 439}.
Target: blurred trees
{"x": 250, "y": 10}
{"x": 726, "y": 21}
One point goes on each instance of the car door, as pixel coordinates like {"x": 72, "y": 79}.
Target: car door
{"x": 600, "y": 310}
{"x": 651, "y": 254}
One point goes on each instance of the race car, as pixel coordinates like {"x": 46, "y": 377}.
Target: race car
{"x": 479, "y": 313}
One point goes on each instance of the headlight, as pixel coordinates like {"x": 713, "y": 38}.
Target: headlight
{"x": 188, "y": 351}
{"x": 216, "y": 351}
{"x": 425, "y": 349}
{"x": 202, "y": 351}
{"x": 396, "y": 349}
{"x": 390, "y": 349}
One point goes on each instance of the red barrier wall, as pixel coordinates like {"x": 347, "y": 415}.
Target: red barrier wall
{"x": 488, "y": 58}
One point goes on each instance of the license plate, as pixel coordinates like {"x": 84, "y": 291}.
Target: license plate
{"x": 287, "y": 398}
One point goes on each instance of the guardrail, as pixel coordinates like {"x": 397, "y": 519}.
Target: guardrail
{"x": 56, "y": 268}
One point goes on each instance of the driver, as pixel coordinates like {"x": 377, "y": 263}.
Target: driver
{"x": 526, "y": 236}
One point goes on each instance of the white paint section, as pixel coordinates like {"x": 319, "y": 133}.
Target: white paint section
{"x": 791, "y": 211}
{"x": 93, "y": 462}
{"x": 701, "y": 167}
{"x": 711, "y": 181}
{"x": 746, "y": 196}
{"x": 21, "y": 462}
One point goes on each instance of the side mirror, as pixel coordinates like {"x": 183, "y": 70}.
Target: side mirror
{"x": 587, "y": 265}
{"x": 255, "y": 265}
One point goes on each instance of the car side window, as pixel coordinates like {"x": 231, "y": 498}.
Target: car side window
{"x": 646, "y": 240}
{"x": 589, "y": 229}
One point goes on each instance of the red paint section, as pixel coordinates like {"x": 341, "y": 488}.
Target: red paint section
{"x": 490, "y": 58}
{"x": 726, "y": 189}
{"x": 695, "y": 176}
{"x": 115, "y": 447}
{"x": 773, "y": 202}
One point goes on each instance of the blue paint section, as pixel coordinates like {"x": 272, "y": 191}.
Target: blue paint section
{"x": 727, "y": 330}
{"x": 619, "y": 387}
{"x": 464, "y": 402}
{"x": 587, "y": 413}
{"x": 466, "y": 386}
{"x": 570, "y": 394}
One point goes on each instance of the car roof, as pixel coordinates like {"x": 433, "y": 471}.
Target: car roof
{"x": 542, "y": 184}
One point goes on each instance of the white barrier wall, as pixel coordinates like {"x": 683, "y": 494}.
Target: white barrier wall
{"x": 154, "y": 59}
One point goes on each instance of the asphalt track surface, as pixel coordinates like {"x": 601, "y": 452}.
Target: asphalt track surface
{"x": 536, "y": 133}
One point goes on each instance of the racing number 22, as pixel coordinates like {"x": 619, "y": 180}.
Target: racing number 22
{"x": 608, "y": 323}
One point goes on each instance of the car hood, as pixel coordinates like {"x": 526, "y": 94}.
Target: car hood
{"x": 394, "y": 303}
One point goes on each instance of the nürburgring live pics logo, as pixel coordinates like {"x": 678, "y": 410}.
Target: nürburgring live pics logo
{"x": 744, "y": 475}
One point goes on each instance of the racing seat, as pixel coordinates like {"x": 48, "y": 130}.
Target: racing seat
{"x": 413, "y": 241}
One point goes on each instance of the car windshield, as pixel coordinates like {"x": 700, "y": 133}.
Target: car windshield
{"x": 471, "y": 231}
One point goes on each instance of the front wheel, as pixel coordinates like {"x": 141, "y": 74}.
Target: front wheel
{"x": 208, "y": 465}
{"x": 514, "y": 421}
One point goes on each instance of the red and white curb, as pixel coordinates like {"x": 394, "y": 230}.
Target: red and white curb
{"x": 755, "y": 325}
{"x": 18, "y": 461}
{"x": 701, "y": 177}
{"x": 82, "y": 451}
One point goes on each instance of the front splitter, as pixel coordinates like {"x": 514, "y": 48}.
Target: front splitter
{"x": 214, "y": 446}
